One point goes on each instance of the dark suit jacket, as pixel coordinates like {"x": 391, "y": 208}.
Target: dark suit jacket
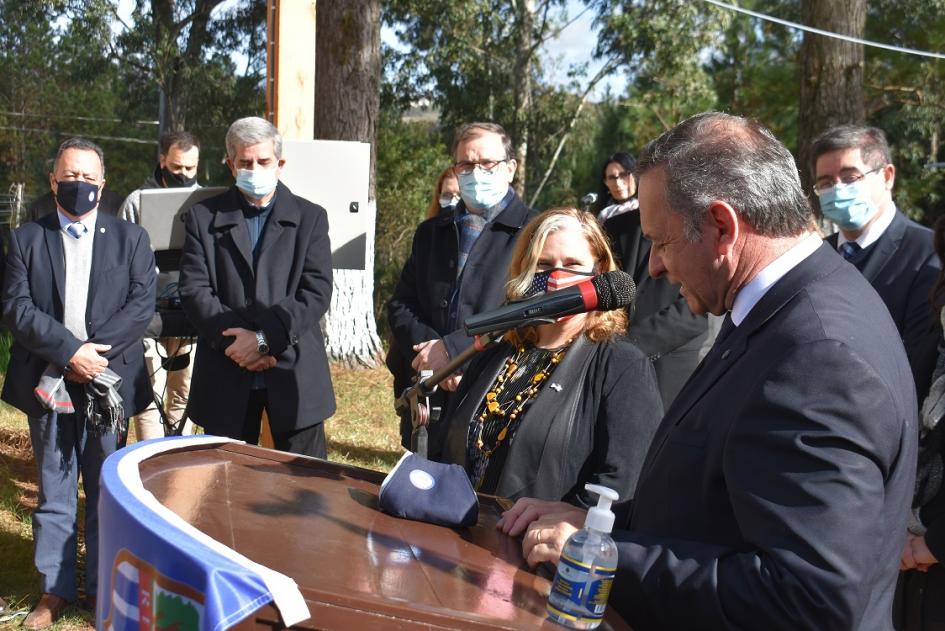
{"x": 419, "y": 307}
{"x": 776, "y": 490}
{"x": 902, "y": 267}
{"x": 661, "y": 324}
{"x": 596, "y": 427}
{"x": 120, "y": 305}
{"x": 285, "y": 296}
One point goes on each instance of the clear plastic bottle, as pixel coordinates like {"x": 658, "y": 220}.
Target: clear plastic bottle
{"x": 586, "y": 569}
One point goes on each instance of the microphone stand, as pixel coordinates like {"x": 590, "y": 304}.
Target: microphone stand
{"x": 426, "y": 385}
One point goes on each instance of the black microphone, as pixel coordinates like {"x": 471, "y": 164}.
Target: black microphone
{"x": 610, "y": 290}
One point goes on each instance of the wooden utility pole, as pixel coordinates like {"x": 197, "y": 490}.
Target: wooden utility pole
{"x": 290, "y": 68}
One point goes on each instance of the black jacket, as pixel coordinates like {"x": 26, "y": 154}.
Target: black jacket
{"x": 595, "y": 426}
{"x": 661, "y": 324}
{"x": 285, "y": 297}
{"x": 902, "y": 267}
{"x": 776, "y": 490}
{"x": 419, "y": 309}
{"x": 120, "y": 305}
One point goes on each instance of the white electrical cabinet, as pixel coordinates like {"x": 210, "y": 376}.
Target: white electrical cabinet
{"x": 334, "y": 175}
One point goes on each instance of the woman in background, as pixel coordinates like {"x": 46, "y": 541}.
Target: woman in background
{"x": 555, "y": 406}
{"x": 445, "y": 194}
{"x": 618, "y": 187}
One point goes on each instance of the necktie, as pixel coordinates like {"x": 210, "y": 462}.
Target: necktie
{"x": 77, "y": 229}
{"x": 850, "y": 249}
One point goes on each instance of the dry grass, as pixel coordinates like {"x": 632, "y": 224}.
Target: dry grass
{"x": 363, "y": 432}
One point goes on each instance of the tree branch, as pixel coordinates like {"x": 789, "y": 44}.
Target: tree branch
{"x": 605, "y": 70}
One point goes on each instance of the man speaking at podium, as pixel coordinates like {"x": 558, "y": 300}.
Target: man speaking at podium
{"x": 255, "y": 281}
{"x": 776, "y": 489}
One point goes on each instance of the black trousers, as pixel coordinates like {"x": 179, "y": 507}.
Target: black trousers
{"x": 308, "y": 441}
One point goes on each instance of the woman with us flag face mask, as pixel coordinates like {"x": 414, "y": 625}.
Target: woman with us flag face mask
{"x": 555, "y": 406}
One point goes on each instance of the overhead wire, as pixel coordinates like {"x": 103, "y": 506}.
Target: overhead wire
{"x": 818, "y": 31}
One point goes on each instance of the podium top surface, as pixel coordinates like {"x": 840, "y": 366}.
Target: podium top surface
{"x": 318, "y": 523}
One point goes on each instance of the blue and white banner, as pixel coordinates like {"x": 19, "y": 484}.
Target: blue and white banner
{"x": 158, "y": 571}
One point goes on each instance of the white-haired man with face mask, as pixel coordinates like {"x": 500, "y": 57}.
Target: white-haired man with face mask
{"x": 255, "y": 281}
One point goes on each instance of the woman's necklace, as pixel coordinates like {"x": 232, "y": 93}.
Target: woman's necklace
{"x": 510, "y": 408}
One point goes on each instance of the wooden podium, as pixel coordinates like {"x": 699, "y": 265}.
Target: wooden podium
{"x": 356, "y": 567}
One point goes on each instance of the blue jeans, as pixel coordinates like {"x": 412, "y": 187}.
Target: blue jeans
{"x": 62, "y": 448}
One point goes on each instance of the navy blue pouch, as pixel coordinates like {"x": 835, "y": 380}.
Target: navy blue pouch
{"x": 433, "y": 492}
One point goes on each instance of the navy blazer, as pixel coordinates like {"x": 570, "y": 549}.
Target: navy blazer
{"x": 285, "y": 296}
{"x": 120, "y": 306}
{"x": 902, "y": 267}
{"x": 776, "y": 489}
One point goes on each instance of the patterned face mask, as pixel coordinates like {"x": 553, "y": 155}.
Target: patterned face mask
{"x": 556, "y": 278}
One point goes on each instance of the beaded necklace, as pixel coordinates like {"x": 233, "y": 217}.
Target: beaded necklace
{"x": 509, "y": 407}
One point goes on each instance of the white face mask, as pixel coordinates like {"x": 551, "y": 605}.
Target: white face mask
{"x": 448, "y": 199}
{"x": 256, "y": 183}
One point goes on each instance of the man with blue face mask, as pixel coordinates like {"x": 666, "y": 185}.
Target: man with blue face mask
{"x": 853, "y": 180}
{"x": 458, "y": 261}
{"x": 255, "y": 281}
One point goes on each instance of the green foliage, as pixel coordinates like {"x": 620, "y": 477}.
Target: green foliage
{"x": 906, "y": 98}
{"x": 72, "y": 68}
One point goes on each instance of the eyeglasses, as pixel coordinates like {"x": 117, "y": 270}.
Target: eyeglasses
{"x": 618, "y": 176}
{"x": 825, "y": 183}
{"x": 487, "y": 166}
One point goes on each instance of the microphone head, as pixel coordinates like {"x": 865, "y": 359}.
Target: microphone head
{"x": 589, "y": 199}
{"x": 615, "y": 290}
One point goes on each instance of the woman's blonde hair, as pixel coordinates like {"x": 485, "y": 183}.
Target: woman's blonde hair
{"x": 434, "y": 208}
{"x": 599, "y": 325}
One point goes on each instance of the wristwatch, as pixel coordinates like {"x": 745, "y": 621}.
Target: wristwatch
{"x": 261, "y": 344}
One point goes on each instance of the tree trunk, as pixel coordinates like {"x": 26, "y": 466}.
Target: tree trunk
{"x": 831, "y": 74}
{"x": 171, "y": 64}
{"x": 525, "y": 16}
{"x": 347, "y": 103}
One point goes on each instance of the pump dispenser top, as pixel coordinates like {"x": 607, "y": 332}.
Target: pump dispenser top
{"x": 600, "y": 517}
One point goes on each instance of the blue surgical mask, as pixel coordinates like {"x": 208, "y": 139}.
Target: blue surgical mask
{"x": 257, "y": 183}
{"x": 480, "y": 189}
{"x": 847, "y": 205}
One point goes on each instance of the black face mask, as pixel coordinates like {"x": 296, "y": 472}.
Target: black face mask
{"x": 76, "y": 197}
{"x": 176, "y": 180}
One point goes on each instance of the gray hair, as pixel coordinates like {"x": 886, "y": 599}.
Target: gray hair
{"x": 719, "y": 157}
{"x": 474, "y": 130}
{"x": 252, "y": 130}
{"x": 80, "y": 144}
{"x": 871, "y": 141}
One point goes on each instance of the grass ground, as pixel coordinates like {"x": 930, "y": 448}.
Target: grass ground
{"x": 363, "y": 432}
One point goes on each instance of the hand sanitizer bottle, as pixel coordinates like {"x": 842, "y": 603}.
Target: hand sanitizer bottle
{"x": 586, "y": 569}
